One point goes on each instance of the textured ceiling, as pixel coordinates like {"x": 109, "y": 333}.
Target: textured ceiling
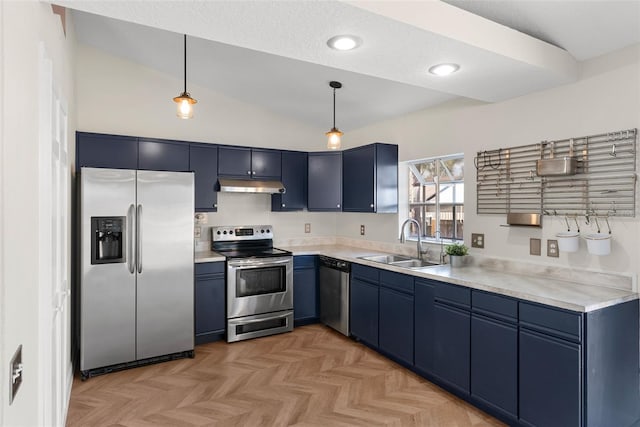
{"x": 274, "y": 53}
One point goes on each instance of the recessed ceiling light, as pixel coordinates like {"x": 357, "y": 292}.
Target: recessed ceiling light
{"x": 444, "y": 69}
{"x": 344, "y": 42}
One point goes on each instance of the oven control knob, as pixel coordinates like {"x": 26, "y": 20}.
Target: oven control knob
{"x": 224, "y": 232}
{"x": 230, "y": 231}
{"x": 219, "y": 232}
{"x": 262, "y": 231}
{"x": 268, "y": 231}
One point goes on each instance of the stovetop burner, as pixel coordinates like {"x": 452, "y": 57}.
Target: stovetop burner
{"x": 245, "y": 241}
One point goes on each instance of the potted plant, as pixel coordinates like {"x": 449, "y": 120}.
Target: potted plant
{"x": 456, "y": 252}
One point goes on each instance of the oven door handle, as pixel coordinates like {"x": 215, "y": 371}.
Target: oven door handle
{"x": 244, "y": 263}
{"x": 244, "y": 322}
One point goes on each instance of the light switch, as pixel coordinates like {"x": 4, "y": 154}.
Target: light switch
{"x": 535, "y": 246}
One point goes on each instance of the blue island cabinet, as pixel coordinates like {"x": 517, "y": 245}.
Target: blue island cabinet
{"x": 364, "y": 304}
{"x": 210, "y": 297}
{"x": 424, "y": 339}
{"x": 325, "y": 182}
{"x": 305, "y": 290}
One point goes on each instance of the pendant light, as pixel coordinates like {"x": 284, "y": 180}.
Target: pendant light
{"x": 185, "y": 101}
{"x": 333, "y": 143}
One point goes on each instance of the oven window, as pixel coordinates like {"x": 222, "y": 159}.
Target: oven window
{"x": 260, "y": 281}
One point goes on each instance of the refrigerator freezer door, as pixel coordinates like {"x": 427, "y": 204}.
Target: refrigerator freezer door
{"x": 107, "y": 288}
{"x": 165, "y": 289}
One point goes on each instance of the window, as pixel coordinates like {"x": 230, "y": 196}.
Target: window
{"x": 436, "y": 196}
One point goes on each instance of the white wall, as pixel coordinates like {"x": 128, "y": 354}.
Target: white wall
{"x": 606, "y": 98}
{"x": 23, "y": 26}
{"x": 121, "y": 97}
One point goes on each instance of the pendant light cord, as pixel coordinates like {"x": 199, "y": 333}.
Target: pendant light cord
{"x": 334, "y": 107}
{"x": 185, "y": 65}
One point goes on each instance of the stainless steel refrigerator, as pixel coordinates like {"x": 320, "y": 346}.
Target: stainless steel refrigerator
{"x": 136, "y": 286}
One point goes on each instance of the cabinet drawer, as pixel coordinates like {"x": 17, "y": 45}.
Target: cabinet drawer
{"x": 366, "y": 273}
{"x": 564, "y": 324}
{"x": 494, "y": 305}
{"x": 209, "y": 268}
{"x": 304, "y": 261}
{"x": 397, "y": 281}
{"x": 456, "y": 295}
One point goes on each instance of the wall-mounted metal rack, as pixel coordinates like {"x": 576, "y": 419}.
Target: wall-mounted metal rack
{"x": 603, "y": 184}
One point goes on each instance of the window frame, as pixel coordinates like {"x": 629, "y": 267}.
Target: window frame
{"x": 440, "y": 167}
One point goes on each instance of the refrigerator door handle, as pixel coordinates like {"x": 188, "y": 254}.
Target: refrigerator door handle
{"x": 139, "y": 238}
{"x": 130, "y": 232}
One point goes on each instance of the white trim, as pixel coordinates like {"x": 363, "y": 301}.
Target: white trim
{"x": 45, "y": 305}
{"x": 3, "y": 299}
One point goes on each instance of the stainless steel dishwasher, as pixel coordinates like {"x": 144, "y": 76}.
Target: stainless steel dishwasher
{"x": 334, "y": 293}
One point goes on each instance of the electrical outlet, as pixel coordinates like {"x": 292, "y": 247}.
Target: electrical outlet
{"x": 535, "y": 246}
{"x": 197, "y": 232}
{"x": 477, "y": 240}
{"x": 362, "y": 230}
{"x": 15, "y": 373}
{"x": 552, "y": 248}
{"x": 307, "y": 228}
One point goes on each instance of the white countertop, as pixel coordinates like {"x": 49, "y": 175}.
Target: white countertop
{"x": 551, "y": 291}
{"x": 208, "y": 256}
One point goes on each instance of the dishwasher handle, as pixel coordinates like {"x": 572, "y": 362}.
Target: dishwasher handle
{"x": 335, "y": 264}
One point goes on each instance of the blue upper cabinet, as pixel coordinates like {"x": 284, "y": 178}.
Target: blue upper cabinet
{"x": 203, "y": 161}
{"x": 325, "y": 181}
{"x": 163, "y": 155}
{"x": 294, "y": 178}
{"x": 247, "y": 163}
{"x": 106, "y": 151}
{"x": 370, "y": 179}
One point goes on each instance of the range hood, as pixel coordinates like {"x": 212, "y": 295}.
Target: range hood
{"x": 250, "y": 186}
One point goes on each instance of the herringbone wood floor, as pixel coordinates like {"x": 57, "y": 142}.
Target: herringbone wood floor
{"x": 310, "y": 377}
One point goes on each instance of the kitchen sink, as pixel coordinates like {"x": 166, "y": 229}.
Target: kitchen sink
{"x": 386, "y": 259}
{"x": 413, "y": 263}
{"x": 399, "y": 261}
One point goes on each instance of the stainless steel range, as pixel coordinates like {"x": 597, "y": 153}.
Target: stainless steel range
{"x": 259, "y": 281}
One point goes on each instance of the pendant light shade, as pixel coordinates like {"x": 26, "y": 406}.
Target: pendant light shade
{"x": 185, "y": 101}
{"x": 334, "y": 135}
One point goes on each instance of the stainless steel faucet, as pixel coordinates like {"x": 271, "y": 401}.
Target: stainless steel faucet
{"x": 442, "y": 254}
{"x": 403, "y": 238}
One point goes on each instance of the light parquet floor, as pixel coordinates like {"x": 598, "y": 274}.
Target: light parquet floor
{"x": 310, "y": 377}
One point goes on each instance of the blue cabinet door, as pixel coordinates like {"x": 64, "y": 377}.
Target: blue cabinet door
{"x": 234, "y": 162}
{"x": 106, "y": 151}
{"x": 364, "y": 311}
{"x": 266, "y": 164}
{"x": 550, "y": 391}
{"x": 494, "y": 363}
{"x": 210, "y": 315}
{"x": 203, "y": 161}
{"x": 163, "y": 155}
{"x": 294, "y": 178}
{"x": 359, "y": 179}
{"x": 325, "y": 181}
{"x": 305, "y": 290}
{"x": 370, "y": 179}
{"x": 452, "y": 345}
{"x": 424, "y": 325}
{"x": 396, "y": 324}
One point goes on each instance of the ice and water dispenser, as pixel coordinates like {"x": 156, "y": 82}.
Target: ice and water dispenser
{"x": 107, "y": 239}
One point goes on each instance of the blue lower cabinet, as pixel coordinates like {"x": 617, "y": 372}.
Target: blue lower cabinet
{"x": 210, "y": 297}
{"x": 452, "y": 346}
{"x": 364, "y": 311}
{"x": 550, "y": 381}
{"x": 494, "y": 363}
{"x": 305, "y": 290}
{"x": 396, "y": 324}
{"x": 424, "y": 340}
